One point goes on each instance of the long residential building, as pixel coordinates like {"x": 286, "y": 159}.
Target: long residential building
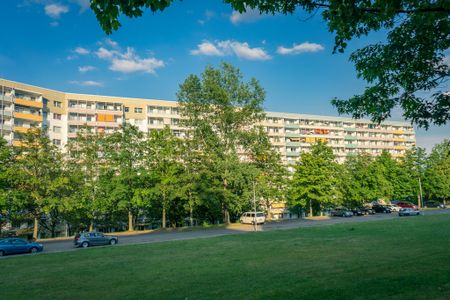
{"x": 24, "y": 106}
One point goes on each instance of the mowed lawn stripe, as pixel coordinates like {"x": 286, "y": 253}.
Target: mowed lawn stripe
{"x": 404, "y": 258}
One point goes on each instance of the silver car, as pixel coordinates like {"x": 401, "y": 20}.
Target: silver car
{"x": 408, "y": 212}
{"x": 87, "y": 239}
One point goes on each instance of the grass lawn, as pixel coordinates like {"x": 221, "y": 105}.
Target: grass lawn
{"x": 404, "y": 258}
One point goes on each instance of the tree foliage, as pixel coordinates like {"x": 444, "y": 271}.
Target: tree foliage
{"x": 408, "y": 71}
{"x": 221, "y": 111}
{"x": 315, "y": 182}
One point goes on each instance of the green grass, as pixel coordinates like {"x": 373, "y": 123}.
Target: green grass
{"x": 404, "y": 258}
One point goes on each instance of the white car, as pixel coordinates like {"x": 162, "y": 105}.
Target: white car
{"x": 249, "y": 218}
{"x": 394, "y": 207}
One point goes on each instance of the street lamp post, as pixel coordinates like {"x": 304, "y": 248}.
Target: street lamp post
{"x": 254, "y": 208}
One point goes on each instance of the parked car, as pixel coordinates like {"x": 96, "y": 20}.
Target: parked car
{"x": 16, "y": 246}
{"x": 367, "y": 211}
{"x": 341, "y": 212}
{"x": 249, "y": 218}
{"x": 381, "y": 209}
{"x": 408, "y": 212}
{"x": 358, "y": 211}
{"x": 406, "y": 205}
{"x": 394, "y": 207}
{"x": 434, "y": 204}
{"x": 88, "y": 239}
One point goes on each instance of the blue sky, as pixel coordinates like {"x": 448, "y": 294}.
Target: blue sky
{"x": 59, "y": 45}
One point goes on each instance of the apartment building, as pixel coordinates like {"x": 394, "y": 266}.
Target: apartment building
{"x": 24, "y": 106}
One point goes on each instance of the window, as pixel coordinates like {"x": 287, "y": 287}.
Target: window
{"x": 127, "y": 109}
{"x": 57, "y": 103}
{"x": 138, "y": 122}
{"x": 56, "y": 142}
{"x": 138, "y": 110}
{"x": 56, "y": 116}
{"x": 56, "y": 129}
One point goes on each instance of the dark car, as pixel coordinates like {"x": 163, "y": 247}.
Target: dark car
{"x": 434, "y": 204}
{"x": 381, "y": 209}
{"x": 341, "y": 212}
{"x": 358, "y": 211}
{"x": 408, "y": 212}
{"x": 367, "y": 211}
{"x": 17, "y": 245}
{"x": 88, "y": 239}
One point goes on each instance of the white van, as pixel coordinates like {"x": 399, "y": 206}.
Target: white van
{"x": 249, "y": 218}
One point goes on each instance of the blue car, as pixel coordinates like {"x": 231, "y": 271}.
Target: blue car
{"x": 16, "y": 246}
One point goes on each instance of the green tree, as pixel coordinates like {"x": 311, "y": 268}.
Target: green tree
{"x": 315, "y": 182}
{"x": 39, "y": 176}
{"x": 359, "y": 181}
{"x": 411, "y": 174}
{"x": 272, "y": 175}
{"x": 6, "y": 171}
{"x": 437, "y": 173}
{"x": 124, "y": 155}
{"x": 409, "y": 70}
{"x": 220, "y": 109}
{"x": 163, "y": 150}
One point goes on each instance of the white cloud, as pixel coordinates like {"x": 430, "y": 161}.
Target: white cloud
{"x": 129, "y": 61}
{"x": 104, "y": 53}
{"x": 111, "y": 43}
{"x": 88, "y": 83}
{"x": 243, "y": 50}
{"x": 84, "y": 69}
{"x": 249, "y": 16}
{"x": 301, "y": 48}
{"x": 228, "y": 47}
{"x": 84, "y": 4}
{"x": 55, "y": 10}
{"x": 207, "y": 48}
{"x": 81, "y": 51}
{"x": 147, "y": 65}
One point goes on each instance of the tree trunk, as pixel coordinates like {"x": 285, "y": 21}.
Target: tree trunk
{"x": 310, "y": 208}
{"x": 91, "y": 226}
{"x": 191, "y": 219}
{"x": 418, "y": 201}
{"x": 36, "y": 228}
{"x": 130, "y": 220}
{"x": 226, "y": 214}
{"x": 163, "y": 217}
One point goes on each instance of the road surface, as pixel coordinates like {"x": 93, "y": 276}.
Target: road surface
{"x": 162, "y": 236}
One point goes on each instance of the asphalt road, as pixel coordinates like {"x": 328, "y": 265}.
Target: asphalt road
{"x": 162, "y": 236}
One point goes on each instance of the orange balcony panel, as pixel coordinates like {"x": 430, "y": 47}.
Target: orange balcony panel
{"x": 17, "y": 143}
{"x": 29, "y": 117}
{"x": 21, "y": 129}
{"x": 105, "y": 118}
{"x": 28, "y": 103}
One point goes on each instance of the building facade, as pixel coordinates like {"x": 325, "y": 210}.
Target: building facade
{"x": 24, "y": 106}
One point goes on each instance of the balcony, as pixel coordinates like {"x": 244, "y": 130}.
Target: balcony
{"x": 6, "y": 98}
{"x": 28, "y": 116}
{"x": 291, "y": 134}
{"x": 17, "y": 143}
{"x": 292, "y": 126}
{"x": 351, "y": 146}
{"x": 29, "y": 103}
{"x": 6, "y": 127}
{"x": 292, "y": 154}
{"x": 350, "y": 138}
{"x": 22, "y": 129}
